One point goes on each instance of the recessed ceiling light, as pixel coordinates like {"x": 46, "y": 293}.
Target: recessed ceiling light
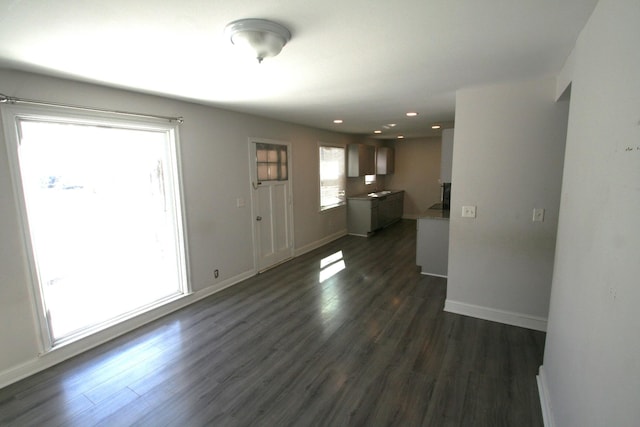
{"x": 412, "y": 114}
{"x": 338, "y": 121}
{"x": 435, "y": 127}
{"x": 377, "y": 131}
{"x": 400, "y": 136}
{"x": 392, "y": 124}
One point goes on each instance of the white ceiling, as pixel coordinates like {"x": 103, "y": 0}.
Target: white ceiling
{"x": 367, "y": 62}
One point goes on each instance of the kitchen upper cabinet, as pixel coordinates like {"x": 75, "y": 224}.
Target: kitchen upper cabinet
{"x": 361, "y": 160}
{"x": 446, "y": 159}
{"x": 385, "y": 158}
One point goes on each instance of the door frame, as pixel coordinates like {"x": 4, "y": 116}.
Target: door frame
{"x": 252, "y": 179}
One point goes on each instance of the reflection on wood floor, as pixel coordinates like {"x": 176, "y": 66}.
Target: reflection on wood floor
{"x": 368, "y": 345}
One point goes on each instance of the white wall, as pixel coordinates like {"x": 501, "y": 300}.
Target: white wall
{"x": 215, "y": 165}
{"x": 507, "y": 159}
{"x": 417, "y": 169}
{"x": 591, "y": 373}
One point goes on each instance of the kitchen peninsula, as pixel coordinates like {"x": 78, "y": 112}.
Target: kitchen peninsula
{"x": 432, "y": 244}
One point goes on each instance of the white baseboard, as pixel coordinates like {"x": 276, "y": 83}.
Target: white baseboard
{"x": 318, "y": 243}
{"x": 547, "y": 416}
{"x": 495, "y": 315}
{"x": 70, "y": 350}
{"x": 444, "y": 276}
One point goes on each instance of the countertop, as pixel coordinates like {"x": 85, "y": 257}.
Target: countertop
{"x": 369, "y": 196}
{"x": 435, "y": 212}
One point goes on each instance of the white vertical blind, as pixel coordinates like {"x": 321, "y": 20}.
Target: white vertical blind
{"x": 332, "y": 177}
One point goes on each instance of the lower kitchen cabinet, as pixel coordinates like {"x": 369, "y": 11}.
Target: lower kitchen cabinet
{"x": 362, "y": 216}
{"x": 365, "y": 214}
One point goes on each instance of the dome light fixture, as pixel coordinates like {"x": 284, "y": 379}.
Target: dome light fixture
{"x": 264, "y": 39}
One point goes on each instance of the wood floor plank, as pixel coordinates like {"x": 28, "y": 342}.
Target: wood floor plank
{"x": 370, "y": 345}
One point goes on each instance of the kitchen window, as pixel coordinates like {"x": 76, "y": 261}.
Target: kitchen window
{"x": 332, "y": 177}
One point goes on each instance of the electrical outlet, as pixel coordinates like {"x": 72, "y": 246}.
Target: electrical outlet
{"x": 538, "y": 214}
{"x": 468, "y": 211}
{"x": 216, "y": 273}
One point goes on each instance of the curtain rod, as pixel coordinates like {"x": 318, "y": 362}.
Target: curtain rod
{"x": 4, "y": 99}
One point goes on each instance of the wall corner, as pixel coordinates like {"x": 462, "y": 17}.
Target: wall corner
{"x": 545, "y": 405}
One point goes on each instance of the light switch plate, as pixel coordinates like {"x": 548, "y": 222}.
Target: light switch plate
{"x": 468, "y": 211}
{"x": 538, "y": 214}
{"x": 240, "y": 202}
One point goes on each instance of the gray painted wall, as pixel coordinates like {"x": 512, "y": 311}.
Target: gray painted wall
{"x": 215, "y": 166}
{"x": 507, "y": 160}
{"x": 591, "y": 373}
{"x": 417, "y": 172}
{"x": 446, "y": 161}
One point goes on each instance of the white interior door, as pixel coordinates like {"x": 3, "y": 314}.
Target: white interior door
{"x": 271, "y": 203}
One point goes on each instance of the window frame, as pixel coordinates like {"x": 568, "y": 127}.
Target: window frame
{"x": 343, "y": 179}
{"x": 281, "y": 161}
{"x": 11, "y": 116}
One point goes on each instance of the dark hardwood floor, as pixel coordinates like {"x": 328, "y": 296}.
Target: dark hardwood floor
{"x": 369, "y": 346}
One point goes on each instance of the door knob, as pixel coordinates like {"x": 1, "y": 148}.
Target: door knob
{"x": 258, "y": 218}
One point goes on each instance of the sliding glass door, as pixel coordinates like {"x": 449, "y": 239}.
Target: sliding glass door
{"x": 103, "y": 218}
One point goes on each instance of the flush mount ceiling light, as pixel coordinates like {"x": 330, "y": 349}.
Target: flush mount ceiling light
{"x": 338, "y": 121}
{"x": 412, "y": 114}
{"x": 262, "y": 38}
{"x": 435, "y": 127}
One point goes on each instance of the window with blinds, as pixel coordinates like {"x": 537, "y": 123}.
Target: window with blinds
{"x": 332, "y": 177}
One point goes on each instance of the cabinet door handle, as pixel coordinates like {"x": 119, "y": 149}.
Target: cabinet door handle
{"x": 258, "y": 218}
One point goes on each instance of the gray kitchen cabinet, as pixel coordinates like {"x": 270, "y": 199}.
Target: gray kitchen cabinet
{"x": 397, "y": 205}
{"x": 365, "y": 214}
{"x": 385, "y": 159}
{"x": 361, "y": 160}
{"x": 390, "y": 208}
{"x": 362, "y": 216}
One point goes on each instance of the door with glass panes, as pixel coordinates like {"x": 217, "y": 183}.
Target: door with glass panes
{"x": 271, "y": 203}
